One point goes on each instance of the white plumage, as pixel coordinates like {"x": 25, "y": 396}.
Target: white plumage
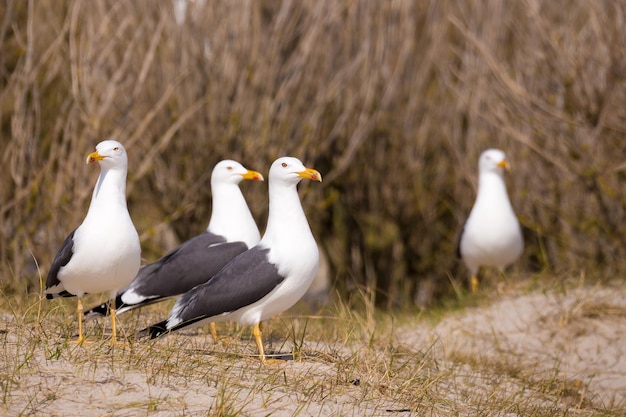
{"x": 103, "y": 254}
{"x": 491, "y": 236}
{"x": 230, "y": 215}
{"x": 231, "y": 231}
{"x": 265, "y": 280}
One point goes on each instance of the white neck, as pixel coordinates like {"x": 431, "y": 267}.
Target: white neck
{"x": 110, "y": 187}
{"x": 491, "y": 187}
{"x": 231, "y": 217}
{"x": 286, "y": 222}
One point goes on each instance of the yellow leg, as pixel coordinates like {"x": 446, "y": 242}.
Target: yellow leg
{"x": 114, "y": 341}
{"x": 79, "y": 311}
{"x": 259, "y": 344}
{"x": 474, "y": 283}
{"x": 256, "y": 331}
{"x": 214, "y": 332}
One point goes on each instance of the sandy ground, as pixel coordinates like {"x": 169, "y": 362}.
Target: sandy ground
{"x": 580, "y": 335}
{"x": 577, "y": 337}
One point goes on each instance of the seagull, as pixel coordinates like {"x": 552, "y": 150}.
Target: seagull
{"x": 491, "y": 236}
{"x": 265, "y": 280}
{"x": 103, "y": 254}
{"x": 231, "y": 231}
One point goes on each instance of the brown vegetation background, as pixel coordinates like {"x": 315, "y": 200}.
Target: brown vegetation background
{"x": 392, "y": 101}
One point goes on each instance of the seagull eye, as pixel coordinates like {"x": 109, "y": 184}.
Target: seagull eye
{"x": 116, "y": 149}
{"x": 229, "y": 168}
{"x": 284, "y": 164}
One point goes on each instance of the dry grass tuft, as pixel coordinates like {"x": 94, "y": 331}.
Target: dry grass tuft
{"x": 480, "y": 360}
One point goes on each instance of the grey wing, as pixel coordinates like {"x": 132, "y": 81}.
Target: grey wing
{"x": 191, "y": 264}
{"x": 458, "y": 243}
{"x": 245, "y": 280}
{"x": 60, "y": 260}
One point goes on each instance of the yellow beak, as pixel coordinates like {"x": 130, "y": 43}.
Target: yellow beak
{"x": 94, "y": 156}
{"x": 311, "y": 174}
{"x": 253, "y": 175}
{"x": 503, "y": 164}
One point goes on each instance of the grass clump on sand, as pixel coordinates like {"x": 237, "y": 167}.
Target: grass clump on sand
{"x": 341, "y": 361}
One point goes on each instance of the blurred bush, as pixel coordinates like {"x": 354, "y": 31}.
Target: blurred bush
{"x": 392, "y": 101}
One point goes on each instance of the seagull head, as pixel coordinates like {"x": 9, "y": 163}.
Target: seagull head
{"x": 493, "y": 160}
{"x": 109, "y": 154}
{"x": 290, "y": 170}
{"x": 232, "y": 172}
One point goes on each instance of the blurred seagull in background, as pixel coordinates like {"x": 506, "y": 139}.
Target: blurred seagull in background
{"x": 491, "y": 235}
{"x": 103, "y": 254}
{"x": 265, "y": 280}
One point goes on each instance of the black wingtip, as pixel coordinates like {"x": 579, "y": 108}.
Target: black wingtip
{"x": 154, "y": 331}
{"x": 160, "y": 329}
{"x": 62, "y": 294}
{"x": 101, "y": 310}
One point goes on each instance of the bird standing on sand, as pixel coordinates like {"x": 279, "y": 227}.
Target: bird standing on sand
{"x": 265, "y": 280}
{"x": 491, "y": 235}
{"x": 103, "y": 254}
{"x": 231, "y": 231}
